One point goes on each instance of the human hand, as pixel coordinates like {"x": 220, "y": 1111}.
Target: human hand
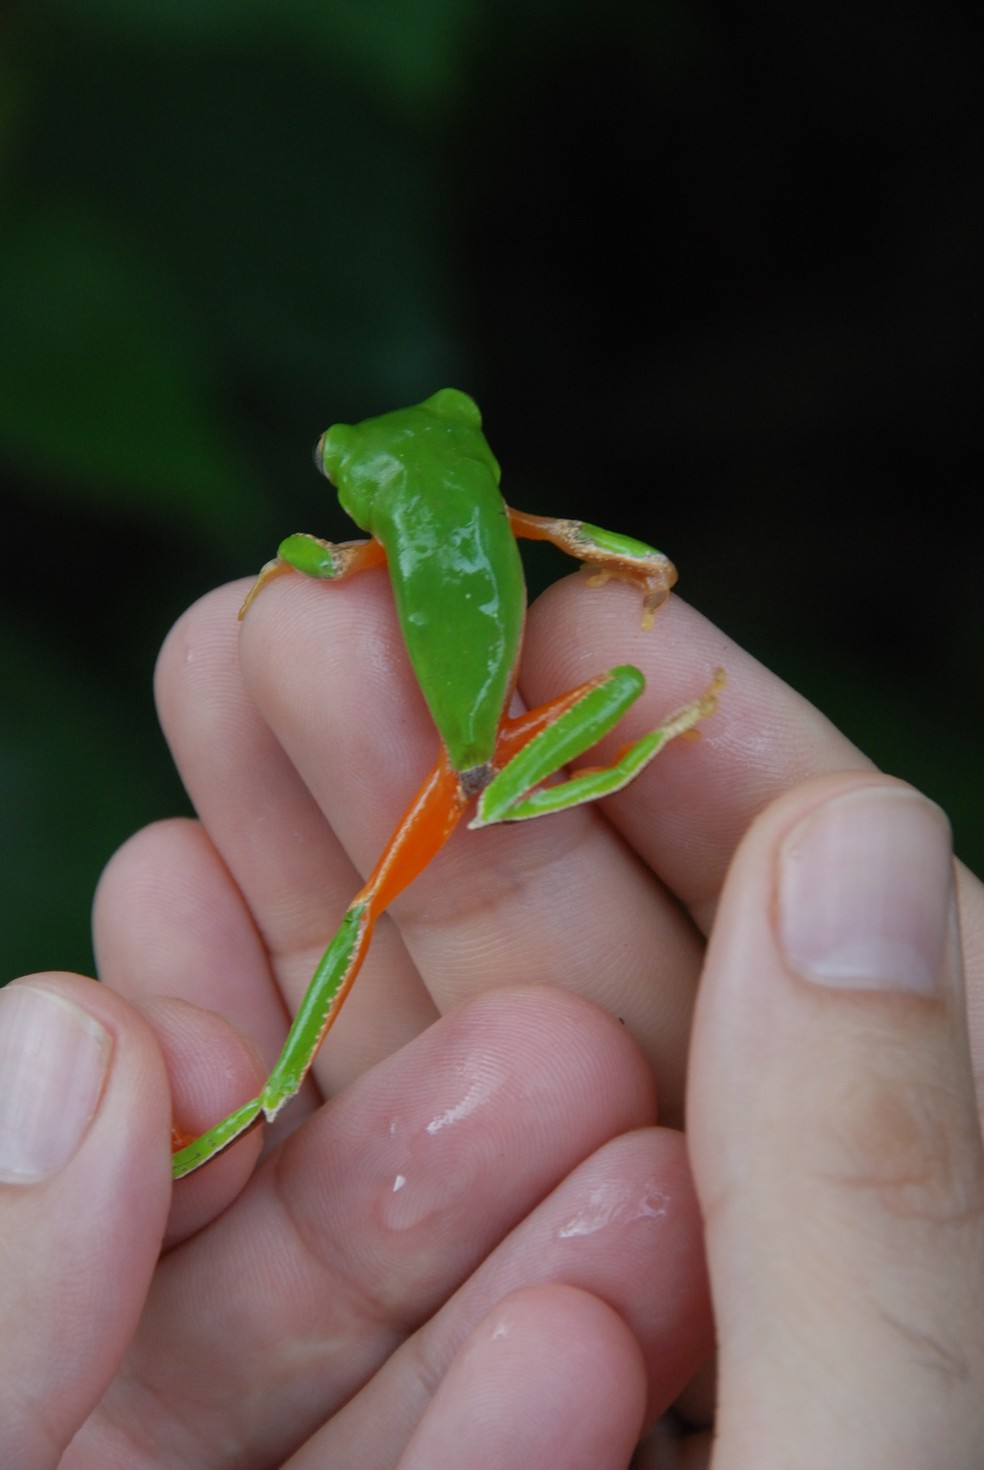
{"x": 457, "y": 1205}
{"x": 169, "y": 914}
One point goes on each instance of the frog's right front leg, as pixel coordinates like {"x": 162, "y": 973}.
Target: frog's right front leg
{"x": 606, "y": 552}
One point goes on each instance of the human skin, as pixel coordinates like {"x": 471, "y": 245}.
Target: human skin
{"x": 488, "y": 1245}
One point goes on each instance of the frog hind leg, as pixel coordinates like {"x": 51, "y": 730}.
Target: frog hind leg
{"x": 564, "y": 729}
{"x": 423, "y": 830}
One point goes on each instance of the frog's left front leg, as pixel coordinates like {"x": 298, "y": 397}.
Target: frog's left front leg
{"x": 548, "y": 738}
{"x": 328, "y": 561}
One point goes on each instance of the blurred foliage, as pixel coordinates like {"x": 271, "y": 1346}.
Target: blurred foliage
{"x": 711, "y": 270}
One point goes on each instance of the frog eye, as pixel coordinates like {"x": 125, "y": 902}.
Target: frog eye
{"x": 332, "y": 448}
{"x": 451, "y": 403}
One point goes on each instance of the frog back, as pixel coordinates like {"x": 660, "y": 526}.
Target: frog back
{"x": 425, "y": 483}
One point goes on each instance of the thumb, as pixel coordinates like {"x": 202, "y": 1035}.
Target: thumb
{"x": 836, "y": 1144}
{"x": 84, "y": 1194}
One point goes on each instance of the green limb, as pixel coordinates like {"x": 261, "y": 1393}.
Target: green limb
{"x": 329, "y": 561}
{"x": 565, "y": 738}
{"x": 187, "y": 1160}
{"x": 606, "y": 552}
{"x": 310, "y": 555}
{"x": 322, "y": 1001}
{"x": 329, "y": 986}
{"x": 515, "y": 793}
{"x": 594, "y": 543}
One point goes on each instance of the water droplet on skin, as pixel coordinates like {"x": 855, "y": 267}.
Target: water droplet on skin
{"x": 475, "y": 1095}
{"x": 429, "y": 1170}
{"x": 479, "y": 1090}
{"x": 615, "y": 1203}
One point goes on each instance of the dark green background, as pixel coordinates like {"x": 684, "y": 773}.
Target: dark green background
{"x": 720, "y": 258}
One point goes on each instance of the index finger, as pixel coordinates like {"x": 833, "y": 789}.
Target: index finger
{"x": 685, "y": 817}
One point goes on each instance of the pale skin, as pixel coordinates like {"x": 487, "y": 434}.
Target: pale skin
{"x": 285, "y": 1322}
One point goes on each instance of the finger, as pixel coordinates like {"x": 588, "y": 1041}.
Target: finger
{"x": 368, "y": 1218}
{"x": 168, "y": 919}
{"x": 623, "y": 1227}
{"x": 267, "y": 832}
{"x": 211, "y": 1070}
{"x": 84, "y": 1192}
{"x": 520, "y": 903}
{"x": 835, "y": 1140}
{"x": 552, "y": 1377}
{"x": 684, "y": 815}
{"x": 687, "y": 811}
{"x": 970, "y": 906}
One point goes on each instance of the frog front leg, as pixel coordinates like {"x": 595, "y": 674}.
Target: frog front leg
{"x": 328, "y": 561}
{"x": 606, "y": 552}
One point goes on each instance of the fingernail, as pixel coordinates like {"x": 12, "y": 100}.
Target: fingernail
{"x": 864, "y": 892}
{"x": 53, "y": 1062}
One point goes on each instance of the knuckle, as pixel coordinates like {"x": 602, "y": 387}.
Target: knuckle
{"x": 914, "y": 1145}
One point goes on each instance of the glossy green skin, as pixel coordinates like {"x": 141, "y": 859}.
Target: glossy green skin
{"x": 424, "y": 482}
